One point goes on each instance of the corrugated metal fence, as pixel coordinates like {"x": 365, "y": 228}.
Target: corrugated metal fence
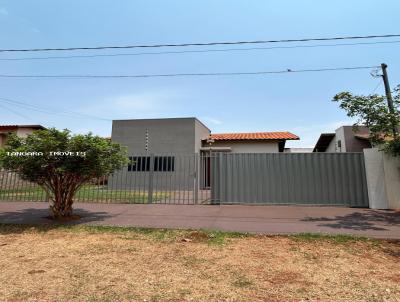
{"x": 290, "y": 178}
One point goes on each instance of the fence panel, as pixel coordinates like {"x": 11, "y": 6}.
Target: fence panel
{"x": 290, "y": 178}
{"x": 148, "y": 178}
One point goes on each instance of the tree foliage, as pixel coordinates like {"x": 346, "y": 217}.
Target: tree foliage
{"x": 373, "y": 112}
{"x": 85, "y": 157}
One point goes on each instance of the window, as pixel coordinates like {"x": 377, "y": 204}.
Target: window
{"x": 139, "y": 163}
{"x": 164, "y": 163}
{"x": 142, "y": 163}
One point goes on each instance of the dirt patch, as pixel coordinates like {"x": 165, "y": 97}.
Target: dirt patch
{"x": 282, "y": 278}
{"x": 145, "y": 265}
{"x": 196, "y": 236}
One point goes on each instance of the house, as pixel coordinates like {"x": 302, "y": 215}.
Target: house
{"x": 161, "y": 146}
{"x": 344, "y": 139}
{"x": 189, "y": 135}
{"x": 20, "y": 130}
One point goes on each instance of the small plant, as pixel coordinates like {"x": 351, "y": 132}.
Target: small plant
{"x": 242, "y": 281}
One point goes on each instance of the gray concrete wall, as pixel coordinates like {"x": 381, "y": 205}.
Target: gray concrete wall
{"x": 179, "y": 137}
{"x": 201, "y": 132}
{"x": 383, "y": 179}
{"x": 172, "y": 135}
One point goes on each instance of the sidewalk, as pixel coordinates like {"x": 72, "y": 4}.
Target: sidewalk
{"x": 242, "y": 218}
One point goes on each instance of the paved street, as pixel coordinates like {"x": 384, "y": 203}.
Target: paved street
{"x": 253, "y": 219}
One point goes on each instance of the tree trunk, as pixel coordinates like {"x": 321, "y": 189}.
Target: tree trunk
{"x": 63, "y": 194}
{"x": 61, "y": 209}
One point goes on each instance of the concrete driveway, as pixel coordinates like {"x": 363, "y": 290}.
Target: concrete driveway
{"x": 242, "y": 218}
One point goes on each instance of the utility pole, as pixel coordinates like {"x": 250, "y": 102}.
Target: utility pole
{"x": 389, "y": 97}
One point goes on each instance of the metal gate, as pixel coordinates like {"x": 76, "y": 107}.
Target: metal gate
{"x": 290, "y": 178}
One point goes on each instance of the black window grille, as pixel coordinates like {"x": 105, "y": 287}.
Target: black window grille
{"x": 142, "y": 163}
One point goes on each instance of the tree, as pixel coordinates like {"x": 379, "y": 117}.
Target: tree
{"x": 372, "y": 111}
{"x": 61, "y": 163}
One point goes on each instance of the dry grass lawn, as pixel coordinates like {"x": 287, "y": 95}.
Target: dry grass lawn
{"x": 126, "y": 264}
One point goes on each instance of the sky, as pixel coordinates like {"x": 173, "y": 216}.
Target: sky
{"x": 296, "y": 102}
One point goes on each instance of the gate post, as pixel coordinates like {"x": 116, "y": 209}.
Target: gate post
{"x": 151, "y": 178}
{"x": 196, "y": 179}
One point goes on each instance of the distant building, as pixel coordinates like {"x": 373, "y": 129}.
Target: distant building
{"x": 345, "y": 139}
{"x": 20, "y": 130}
{"x": 298, "y": 150}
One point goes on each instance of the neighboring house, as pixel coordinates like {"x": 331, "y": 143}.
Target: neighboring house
{"x": 20, "y": 130}
{"x": 345, "y": 139}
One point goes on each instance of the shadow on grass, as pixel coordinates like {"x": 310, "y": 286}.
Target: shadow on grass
{"x": 366, "y": 220}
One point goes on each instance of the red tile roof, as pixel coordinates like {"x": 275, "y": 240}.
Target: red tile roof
{"x": 254, "y": 136}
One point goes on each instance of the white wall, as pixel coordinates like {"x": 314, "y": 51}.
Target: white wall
{"x": 23, "y": 132}
{"x": 391, "y": 166}
{"x": 332, "y": 146}
{"x": 340, "y": 136}
{"x": 383, "y": 179}
{"x": 249, "y": 146}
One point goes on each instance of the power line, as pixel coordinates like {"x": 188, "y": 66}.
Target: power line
{"x": 376, "y": 87}
{"x": 16, "y": 112}
{"x": 89, "y": 76}
{"x": 53, "y": 111}
{"x": 197, "y": 51}
{"x": 202, "y": 44}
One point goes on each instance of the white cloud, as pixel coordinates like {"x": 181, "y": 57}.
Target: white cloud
{"x": 211, "y": 120}
{"x": 140, "y": 102}
{"x": 134, "y": 105}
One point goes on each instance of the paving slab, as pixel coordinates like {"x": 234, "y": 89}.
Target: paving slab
{"x": 242, "y": 218}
